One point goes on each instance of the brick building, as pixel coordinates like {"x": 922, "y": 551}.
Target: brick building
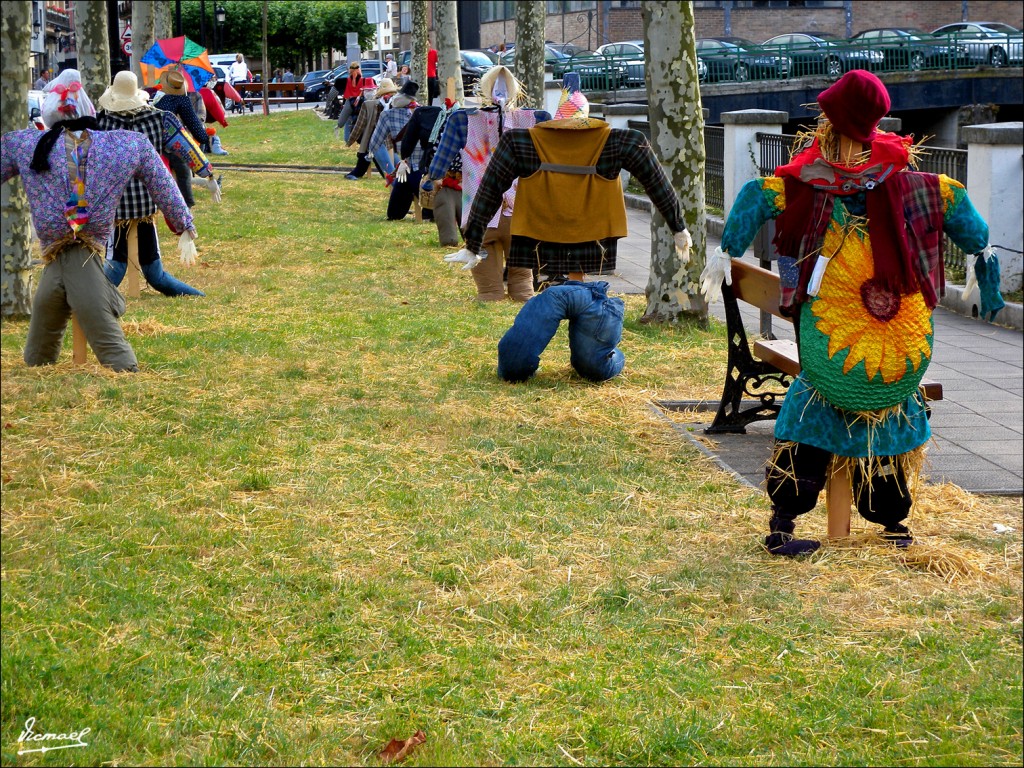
{"x": 590, "y": 23}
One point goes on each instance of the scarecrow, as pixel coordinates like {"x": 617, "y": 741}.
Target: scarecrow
{"x": 570, "y": 211}
{"x": 125, "y": 107}
{"x": 366, "y": 122}
{"x": 74, "y": 175}
{"x": 860, "y": 238}
{"x": 471, "y": 136}
{"x": 424, "y": 131}
{"x": 175, "y": 99}
{"x": 392, "y": 121}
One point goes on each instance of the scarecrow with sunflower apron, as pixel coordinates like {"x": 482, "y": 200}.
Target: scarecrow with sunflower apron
{"x": 860, "y": 238}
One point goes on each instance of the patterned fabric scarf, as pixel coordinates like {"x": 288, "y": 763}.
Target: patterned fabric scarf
{"x": 76, "y": 210}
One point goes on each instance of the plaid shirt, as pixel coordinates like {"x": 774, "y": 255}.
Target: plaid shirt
{"x": 516, "y": 156}
{"x": 389, "y": 125}
{"x": 136, "y": 202}
{"x": 449, "y": 148}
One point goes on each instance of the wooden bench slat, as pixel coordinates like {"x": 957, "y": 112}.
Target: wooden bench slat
{"x": 756, "y": 286}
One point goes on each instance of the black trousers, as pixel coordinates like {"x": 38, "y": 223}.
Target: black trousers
{"x": 798, "y": 475}
{"x": 402, "y": 195}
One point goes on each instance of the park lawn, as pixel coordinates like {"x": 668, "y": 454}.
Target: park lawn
{"x": 316, "y": 521}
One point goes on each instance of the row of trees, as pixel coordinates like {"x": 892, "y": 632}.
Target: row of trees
{"x": 676, "y": 117}
{"x": 298, "y": 31}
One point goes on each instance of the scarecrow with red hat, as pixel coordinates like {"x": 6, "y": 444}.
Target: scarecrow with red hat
{"x": 859, "y": 234}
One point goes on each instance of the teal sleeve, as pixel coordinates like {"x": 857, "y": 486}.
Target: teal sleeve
{"x": 964, "y": 224}
{"x": 749, "y": 212}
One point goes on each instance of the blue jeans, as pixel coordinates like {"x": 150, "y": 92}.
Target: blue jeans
{"x": 595, "y": 330}
{"x": 159, "y": 280}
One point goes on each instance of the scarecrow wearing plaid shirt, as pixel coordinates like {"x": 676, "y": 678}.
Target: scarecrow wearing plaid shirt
{"x": 395, "y": 115}
{"x": 860, "y": 238}
{"x": 125, "y": 107}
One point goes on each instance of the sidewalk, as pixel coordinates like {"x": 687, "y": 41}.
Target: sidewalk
{"x": 978, "y": 428}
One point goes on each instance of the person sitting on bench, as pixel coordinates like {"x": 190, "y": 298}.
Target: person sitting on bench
{"x": 860, "y": 238}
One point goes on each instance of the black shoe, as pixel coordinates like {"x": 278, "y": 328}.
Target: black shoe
{"x": 784, "y": 544}
{"x": 898, "y": 535}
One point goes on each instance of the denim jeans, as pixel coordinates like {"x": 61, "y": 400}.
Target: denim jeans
{"x": 116, "y": 265}
{"x": 595, "y": 330}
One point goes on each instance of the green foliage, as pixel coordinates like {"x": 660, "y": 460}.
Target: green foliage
{"x": 296, "y": 29}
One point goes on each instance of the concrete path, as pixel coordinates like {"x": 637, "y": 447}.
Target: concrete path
{"x": 978, "y": 428}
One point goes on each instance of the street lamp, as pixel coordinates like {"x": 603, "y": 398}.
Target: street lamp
{"x": 219, "y": 15}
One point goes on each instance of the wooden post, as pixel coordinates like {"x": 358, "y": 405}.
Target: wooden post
{"x": 78, "y": 347}
{"x": 839, "y": 498}
{"x": 450, "y": 89}
{"x": 134, "y": 268}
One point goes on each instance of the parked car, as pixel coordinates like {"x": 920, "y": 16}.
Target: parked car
{"x": 734, "y": 58}
{"x": 35, "y": 110}
{"x": 822, "y": 54}
{"x": 987, "y": 42}
{"x": 473, "y": 65}
{"x": 313, "y": 84}
{"x": 371, "y": 67}
{"x": 597, "y": 73}
{"x": 556, "y": 58}
{"x": 630, "y": 53}
{"x": 909, "y": 48}
{"x": 569, "y": 49}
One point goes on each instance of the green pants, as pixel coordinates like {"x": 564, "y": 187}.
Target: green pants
{"x": 74, "y": 282}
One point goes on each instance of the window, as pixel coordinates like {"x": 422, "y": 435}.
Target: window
{"x": 497, "y": 10}
{"x": 405, "y": 16}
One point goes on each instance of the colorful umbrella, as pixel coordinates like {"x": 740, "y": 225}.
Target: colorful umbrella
{"x": 179, "y": 52}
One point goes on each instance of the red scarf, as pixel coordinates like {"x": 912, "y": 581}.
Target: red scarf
{"x": 809, "y": 178}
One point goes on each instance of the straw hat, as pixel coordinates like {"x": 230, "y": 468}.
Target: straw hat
{"x": 172, "y": 82}
{"x": 499, "y": 86}
{"x": 387, "y": 85}
{"x": 124, "y": 94}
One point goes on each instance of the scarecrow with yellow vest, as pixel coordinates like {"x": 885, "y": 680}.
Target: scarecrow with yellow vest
{"x": 861, "y": 269}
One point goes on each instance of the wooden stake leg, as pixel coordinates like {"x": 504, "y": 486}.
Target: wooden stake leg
{"x": 839, "y": 499}
{"x": 78, "y": 345}
{"x": 134, "y": 269}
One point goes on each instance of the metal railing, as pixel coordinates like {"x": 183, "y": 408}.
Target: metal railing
{"x": 714, "y": 160}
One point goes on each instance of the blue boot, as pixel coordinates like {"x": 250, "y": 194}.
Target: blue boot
{"x": 167, "y": 284}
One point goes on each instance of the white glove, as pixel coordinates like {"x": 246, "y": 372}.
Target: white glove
{"x": 214, "y": 187}
{"x": 402, "y": 172}
{"x": 186, "y": 248}
{"x": 683, "y": 244}
{"x": 971, "y": 283}
{"x": 718, "y": 268}
{"x": 465, "y": 257}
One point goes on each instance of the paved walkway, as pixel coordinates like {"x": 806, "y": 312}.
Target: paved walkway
{"x": 978, "y": 428}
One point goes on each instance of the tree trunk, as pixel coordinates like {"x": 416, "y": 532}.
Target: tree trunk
{"x": 449, "y": 63}
{"x": 15, "y": 228}
{"x": 530, "y": 15}
{"x": 265, "y": 74}
{"x": 143, "y": 33}
{"x": 93, "y": 46}
{"x": 420, "y": 46}
{"x": 163, "y": 23}
{"x": 677, "y": 134}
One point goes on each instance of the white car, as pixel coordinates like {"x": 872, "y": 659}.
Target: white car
{"x": 987, "y": 42}
{"x": 35, "y": 110}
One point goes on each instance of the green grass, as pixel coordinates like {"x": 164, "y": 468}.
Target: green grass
{"x": 316, "y": 520}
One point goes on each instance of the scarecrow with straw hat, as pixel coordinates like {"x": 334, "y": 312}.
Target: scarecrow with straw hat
{"x": 174, "y": 98}
{"x": 124, "y": 106}
{"x": 471, "y": 135}
{"x": 366, "y": 122}
{"x": 404, "y": 180}
{"x": 74, "y": 175}
{"x": 570, "y": 211}
{"x": 861, "y": 269}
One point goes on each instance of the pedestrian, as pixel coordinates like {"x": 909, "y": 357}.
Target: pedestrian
{"x": 860, "y": 238}
{"x": 433, "y": 87}
{"x": 74, "y": 221}
{"x": 288, "y": 77}
{"x": 351, "y": 99}
{"x": 404, "y": 75}
{"x": 42, "y": 80}
{"x": 238, "y": 72}
{"x": 390, "y": 66}
{"x": 123, "y": 106}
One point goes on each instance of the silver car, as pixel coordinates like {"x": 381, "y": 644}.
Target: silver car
{"x": 987, "y": 42}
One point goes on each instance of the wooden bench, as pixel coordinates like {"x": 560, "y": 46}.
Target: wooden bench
{"x": 277, "y": 93}
{"x": 764, "y": 372}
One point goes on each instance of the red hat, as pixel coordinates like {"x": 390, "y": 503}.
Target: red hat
{"x": 855, "y": 104}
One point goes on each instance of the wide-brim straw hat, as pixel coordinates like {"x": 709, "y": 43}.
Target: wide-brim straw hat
{"x": 498, "y": 84}
{"x": 124, "y": 94}
{"x": 172, "y": 82}
{"x": 386, "y": 86}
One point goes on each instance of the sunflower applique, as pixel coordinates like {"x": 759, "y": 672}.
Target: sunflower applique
{"x": 867, "y": 347}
